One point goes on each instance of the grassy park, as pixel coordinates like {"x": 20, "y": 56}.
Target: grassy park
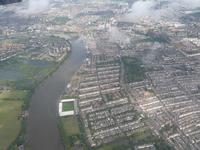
{"x": 71, "y": 125}
{"x": 70, "y": 131}
{"x": 10, "y": 107}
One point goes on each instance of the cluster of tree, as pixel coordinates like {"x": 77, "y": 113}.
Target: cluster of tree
{"x": 134, "y": 70}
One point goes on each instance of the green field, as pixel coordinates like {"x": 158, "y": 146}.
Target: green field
{"x": 69, "y": 131}
{"x": 61, "y": 20}
{"x": 68, "y": 106}
{"x": 71, "y": 125}
{"x": 24, "y": 73}
{"x": 107, "y": 147}
{"x": 11, "y": 103}
{"x": 9, "y": 124}
{"x": 13, "y": 95}
{"x": 121, "y": 143}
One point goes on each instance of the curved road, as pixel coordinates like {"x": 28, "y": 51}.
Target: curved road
{"x": 42, "y": 129}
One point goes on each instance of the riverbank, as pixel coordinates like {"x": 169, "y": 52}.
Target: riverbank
{"x": 20, "y": 74}
{"x": 42, "y": 131}
{"x": 21, "y": 138}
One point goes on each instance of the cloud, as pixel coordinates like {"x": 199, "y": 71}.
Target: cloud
{"x": 117, "y": 36}
{"x": 189, "y": 3}
{"x": 143, "y": 8}
{"x": 28, "y": 7}
{"x": 35, "y": 6}
{"x": 157, "y": 9}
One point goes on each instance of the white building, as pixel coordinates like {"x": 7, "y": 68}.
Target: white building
{"x": 70, "y": 112}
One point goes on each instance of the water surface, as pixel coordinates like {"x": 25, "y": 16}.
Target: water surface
{"x": 42, "y": 132}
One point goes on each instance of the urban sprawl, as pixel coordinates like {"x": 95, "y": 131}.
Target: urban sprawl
{"x": 139, "y": 86}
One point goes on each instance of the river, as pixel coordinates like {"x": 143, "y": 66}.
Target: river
{"x": 42, "y": 131}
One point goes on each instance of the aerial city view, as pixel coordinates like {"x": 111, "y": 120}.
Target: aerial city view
{"x": 99, "y": 74}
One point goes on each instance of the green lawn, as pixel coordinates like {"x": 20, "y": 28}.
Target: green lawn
{"x": 13, "y": 95}
{"x": 106, "y": 147}
{"x": 70, "y": 125}
{"x": 9, "y": 123}
{"x": 118, "y": 144}
{"x": 68, "y": 106}
{"x": 69, "y": 131}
